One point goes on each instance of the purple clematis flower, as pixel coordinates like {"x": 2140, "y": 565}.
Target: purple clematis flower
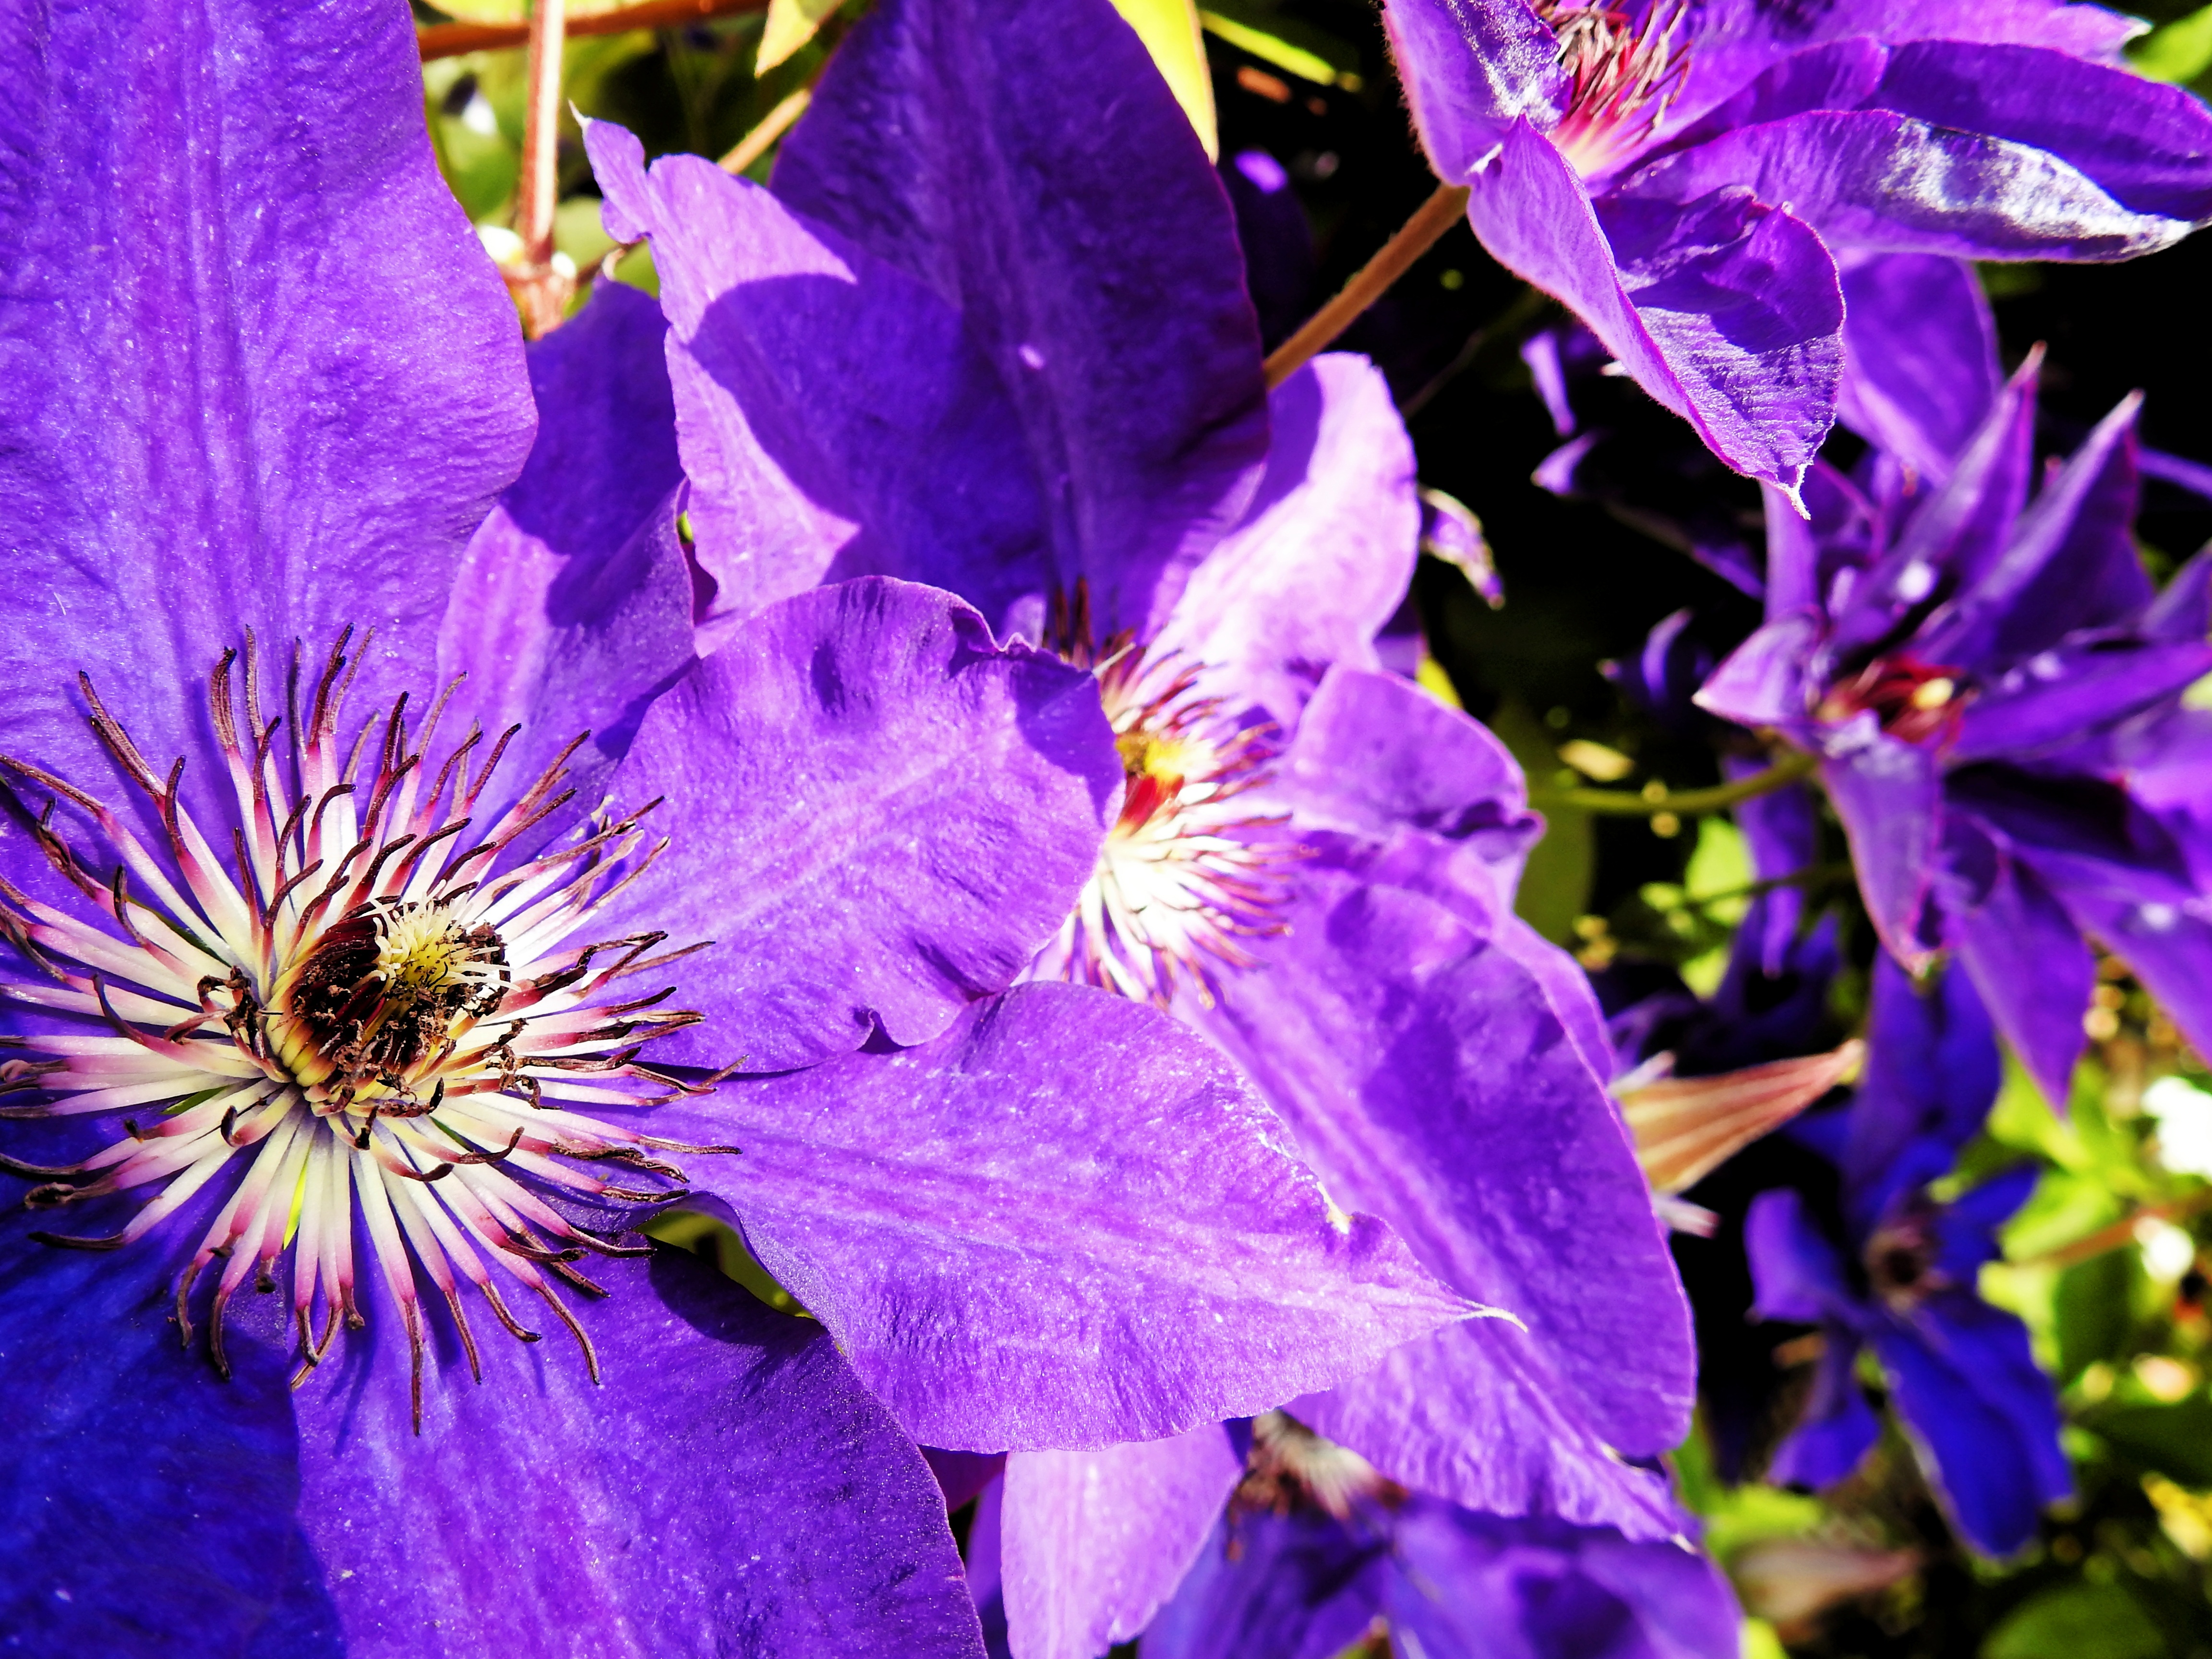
{"x": 337, "y": 969}
{"x": 1018, "y": 361}
{"x": 1977, "y": 672}
{"x": 1960, "y": 1370}
{"x": 1316, "y": 1550}
{"x": 1686, "y": 175}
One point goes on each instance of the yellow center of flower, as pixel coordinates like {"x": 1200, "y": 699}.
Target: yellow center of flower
{"x": 1187, "y": 873}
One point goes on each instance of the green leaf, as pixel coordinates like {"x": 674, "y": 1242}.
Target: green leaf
{"x": 1289, "y": 48}
{"x": 2176, "y": 1440}
{"x": 2077, "y": 1621}
{"x": 2093, "y": 1310}
{"x": 2180, "y": 51}
{"x": 1555, "y": 885}
{"x": 1169, "y": 30}
{"x": 791, "y": 24}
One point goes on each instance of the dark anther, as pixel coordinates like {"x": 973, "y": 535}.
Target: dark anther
{"x": 64, "y": 1241}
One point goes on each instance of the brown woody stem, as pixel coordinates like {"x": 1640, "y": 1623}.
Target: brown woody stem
{"x": 1415, "y": 237}
{"x": 437, "y": 41}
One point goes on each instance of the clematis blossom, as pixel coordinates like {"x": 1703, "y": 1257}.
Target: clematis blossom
{"x": 1687, "y": 175}
{"x": 1900, "y": 1279}
{"x": 1004, "y": 357}
{"x": 1981, "y": 675}
{"x": 1315, "y": 1553}
{"x": 361, "y": 1007}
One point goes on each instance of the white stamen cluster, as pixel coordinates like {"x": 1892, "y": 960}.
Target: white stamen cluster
{"x": 362, "y": 1009}
{"x": 1187, "y": 873}
{"x": 1627, "y": 75}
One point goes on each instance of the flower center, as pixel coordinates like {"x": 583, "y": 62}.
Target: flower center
{"x": 1291, "y": 1468}
{"x": 1900, "y": 1261}
{"x": 368, "y": 1014}
{"x": 1187, "y": 873}
{"x": 1627, "y": 73}
{"x": 1913, "y": 701}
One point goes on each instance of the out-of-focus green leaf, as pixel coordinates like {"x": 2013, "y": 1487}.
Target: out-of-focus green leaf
{"x": 2094, "y": 1308}
{"x": 2077, "y": 1621}
{"x": 1289, "y": 46}
{"x": 1555, "y": 885}
{"x": 2179, "y": 51}
{"x": 579, "y": 233}
{"x": 2175, "y": 1439}
{"x": 791, "y": 24}
{"x": 636, "y": 267}
{"x": 2065, "y": 1207}
{"x": 1169, "y": 29}
{"x": 2022, "y": 1122}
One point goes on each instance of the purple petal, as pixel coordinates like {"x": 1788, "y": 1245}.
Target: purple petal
{"x": 962, "y": 1476}
{"x": 1093, "y": 1542}
{"x": 875, "y": 813}
{"x": 1763, "y": 682}
{"x": 1375, "y": 754}
{"x": 1728, "y": 312}
{"x": 572, "y": 608}
{"x": 1957, "y": 537}
{"x": 254, "y": 380}
{"x": 1967, "y": 1382}
{"x": 2070, "y": 564}
{"x": 836, "y": 420}
{"x": 1932, "y": 1074}
{"x": 2115, "y": 868}
{"x": 1465, "y": 1581}
{"x": 2169, "y": 949}
{"x": 2148, "y": 145}
{"x": 2035, "y": 973}
{"x": 1430, "y": 1081}
{"x": 1322, "y": 558}
{"x": 1075, "y": 222}
{"x": 1782, "y": 833}
{"x": 1479, "y": 1414}
{"x": 1279, "y": 266}
{"x": 1795, "y": 1270}
{"x": 1065, "y": 1222}
{"x": 1882, "y": 181}
{"x": 1470, "y": 68}
{"x": 1890, "y": 796}
{"x": 1736, "y": 40}
{"x": 2060, "y": 695}
{"x": 1838, "y": 1428}
{"x": 120, "y": 1518}
{"x": 539, "y": 1507}
{"x": 1920, "y": 357}
{"x": 1267, "y": 1586}
{"x": 1832, "y": 75}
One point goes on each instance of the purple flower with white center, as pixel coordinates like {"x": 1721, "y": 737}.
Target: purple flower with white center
{"x": 332, "y": 949}
{"x": 1003, "y": 357}
{"x": 1903, "y": 1280}
{"x": 1686, "y": 174}
{"x": 1316, "y": 1552}
{"x": 1976, "y": 670}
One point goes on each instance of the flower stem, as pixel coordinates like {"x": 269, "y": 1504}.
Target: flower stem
{"x": 1651, "y": 803}
{"x": 436, "y": 40}
{"x": 540, "y": 290}
{"x": 1415, "y": 237}
{"x": 771, "y": 127}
